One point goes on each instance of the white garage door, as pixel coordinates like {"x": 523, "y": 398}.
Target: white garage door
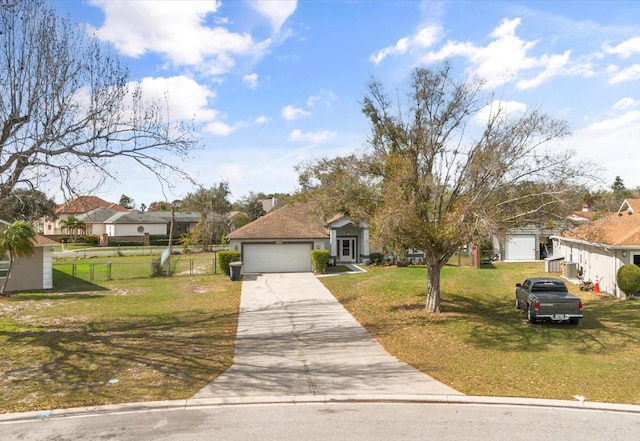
{"x": 521, "y": 247}
{"x": 277, "y": 258}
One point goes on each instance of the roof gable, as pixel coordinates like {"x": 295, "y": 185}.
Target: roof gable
{"x": 295, "y": 221}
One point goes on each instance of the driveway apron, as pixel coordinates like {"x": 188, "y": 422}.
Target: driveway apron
{"x": 295, "y": 338}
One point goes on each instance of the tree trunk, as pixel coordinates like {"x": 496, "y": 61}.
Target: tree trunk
{"x": 433, "y": 286}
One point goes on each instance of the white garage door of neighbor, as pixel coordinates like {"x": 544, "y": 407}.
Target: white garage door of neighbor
{"x": 521, "y": 247}
{"x": 277, "y": 258}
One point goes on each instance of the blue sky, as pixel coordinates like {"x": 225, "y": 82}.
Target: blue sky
{"x": 273, "y": 83}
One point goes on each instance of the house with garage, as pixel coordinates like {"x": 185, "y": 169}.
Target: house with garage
{"x": 601, "y": 247}
{"x": 30, "y": 273}
{"x": 525, "y": 244}
{"x": 282, "y": 240}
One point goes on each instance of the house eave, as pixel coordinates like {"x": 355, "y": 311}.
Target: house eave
{"x": 597, "y": 244}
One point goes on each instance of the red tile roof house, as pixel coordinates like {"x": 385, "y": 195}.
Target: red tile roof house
{"x": 32, "y": 273}
{"x": 601, "y": 247}
{"x": 282, "y": 240}
{"x": 75, "y": 207}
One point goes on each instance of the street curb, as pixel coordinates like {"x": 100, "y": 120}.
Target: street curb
{"x": 195, "y": 403}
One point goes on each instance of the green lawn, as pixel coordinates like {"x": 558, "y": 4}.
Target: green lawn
{"x": 160, "y": 338}
{"x": 165, "y": 338}
{"x": 482, "y": 345}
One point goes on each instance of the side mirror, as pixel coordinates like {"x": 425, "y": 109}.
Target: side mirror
{"x": 518, "y": 285}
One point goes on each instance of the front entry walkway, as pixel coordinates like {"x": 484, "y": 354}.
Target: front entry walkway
{"x": 295, "y": 338}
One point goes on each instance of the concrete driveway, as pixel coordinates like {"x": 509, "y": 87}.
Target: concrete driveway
{"x": 294, "y": 338}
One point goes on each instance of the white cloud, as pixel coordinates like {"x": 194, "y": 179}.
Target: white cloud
{"x": 251, "y": 80}
{"x": 625, "y": 103}
{"x": 277, "y": 11}
{"x": 621, "y": 123}
{"x": 424, "y": 38}
{"x": 219, "y": 128}
{"x": 506, "y": 108}
{"x": 186, "y": 99}
{"x": 292, "y": 112}
{"x": 627, "y": 74}
{"x": 262, "y": 119}
{"x": 610, "y": 144}
{"x": 625, "y": 49}
{"x": 553, "y": 65}
{"x": 312, "y": 137}
{"x": 507, "y": 56}
{"x": 177, "y": 30}
{"x": 324, "y": 96}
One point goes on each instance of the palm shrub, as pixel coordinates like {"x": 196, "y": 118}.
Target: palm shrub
{"x": 16, "y": 240}
{"x": 628, "y": 279}
{"x": 319, "y": 260}
{"x": 225, "y": 258}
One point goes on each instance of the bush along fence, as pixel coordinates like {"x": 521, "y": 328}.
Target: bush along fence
{"x": 176, "y": 266}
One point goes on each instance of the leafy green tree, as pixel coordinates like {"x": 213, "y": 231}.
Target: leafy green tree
{"x": 213, "y": 205}
{"x": 72, "y": 224}
{"x": 429, "y": 181}
{"x": 16, "y": 240}
{"x": 26, "y": 204}
{"x": 160, "y": 206}
{"x": 127, "y": 202}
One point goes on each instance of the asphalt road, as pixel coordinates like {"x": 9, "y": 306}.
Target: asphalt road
{"x": 336, "y": 421}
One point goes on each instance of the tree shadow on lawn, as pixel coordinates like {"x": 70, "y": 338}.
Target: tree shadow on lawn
{"x": 66, "y": 287}
{"x": 154, "y": 357}
{"x": 495, "y": 323}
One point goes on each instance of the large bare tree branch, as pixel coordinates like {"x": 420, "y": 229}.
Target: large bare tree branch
{"x": 66, "y": 105}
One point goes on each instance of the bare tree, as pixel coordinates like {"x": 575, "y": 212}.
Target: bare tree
{"x": 67, "y": 108}
{"x": 427, "y": 182}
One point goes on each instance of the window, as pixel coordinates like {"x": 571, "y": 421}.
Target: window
{"x": 4, "y": 266}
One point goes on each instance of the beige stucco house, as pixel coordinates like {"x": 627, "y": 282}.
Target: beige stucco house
{"x": 601, "y": 247}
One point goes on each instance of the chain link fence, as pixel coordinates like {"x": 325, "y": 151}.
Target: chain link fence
{"x": 106, "y": 271}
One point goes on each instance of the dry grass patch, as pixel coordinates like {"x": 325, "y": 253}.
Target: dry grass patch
{"x": 482, "y": 345}
{"x": 136, "y": 340}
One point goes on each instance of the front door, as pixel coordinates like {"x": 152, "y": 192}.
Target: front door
{"x": 347, "y": 249}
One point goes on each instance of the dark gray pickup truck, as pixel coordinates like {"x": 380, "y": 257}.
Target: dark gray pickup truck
{"x": 548, "y": 299}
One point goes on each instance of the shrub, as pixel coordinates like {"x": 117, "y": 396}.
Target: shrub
{"x": 91, "y": 239}
{"x": 319, "y": 260}
{"x": 628, "y": 278}
{"x": 225, "y": 258}
{"x": 376, "y": 258}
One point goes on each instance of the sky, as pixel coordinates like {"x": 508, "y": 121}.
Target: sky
{"x": 272, "y": 83}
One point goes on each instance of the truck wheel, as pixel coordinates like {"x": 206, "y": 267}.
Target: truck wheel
{"x": 574, "y": 321}
{"x": 530, "y": 316}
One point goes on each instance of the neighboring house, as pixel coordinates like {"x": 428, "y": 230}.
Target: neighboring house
{"x": 533, "y": 242}
{"x": 282, "y": 240}
{"x": 525, "y": 244}
{"x": 110, "y": 222}
{"x": 601, "y": 247}
{"x": 31, "y": 273}
{"x": 75, "y": 207}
